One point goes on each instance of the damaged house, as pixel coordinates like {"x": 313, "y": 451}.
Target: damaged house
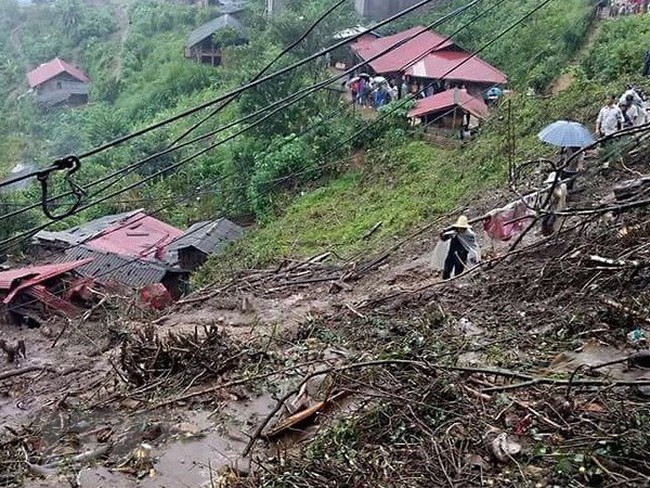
{"x": 137, "y": 250}
{"x": 201, "y": 240}
{"x": 32, "y": 293}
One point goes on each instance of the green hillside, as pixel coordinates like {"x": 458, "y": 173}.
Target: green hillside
{"x": 133, "y": 53}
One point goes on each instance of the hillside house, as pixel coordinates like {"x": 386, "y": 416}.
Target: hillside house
{"x": 59, "y": 83}
{"x": 450, "y": 110}
{"x": 201, "y": 44}
{"x": 201, "y": 240}
{"x": 137, "y": 250}
{"x": 428, "y": 59}
{"x": 127, "y": 248}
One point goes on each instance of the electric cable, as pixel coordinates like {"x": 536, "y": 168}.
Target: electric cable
{"x": 500, "y": 35}
{"x": 262, "y": 71}
{"x": 301, "y": 94}
{"x": 252, "y": 84}
{"x": 288, "y": 176}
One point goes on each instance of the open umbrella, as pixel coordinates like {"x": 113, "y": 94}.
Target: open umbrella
{"x": 564, "y": 133}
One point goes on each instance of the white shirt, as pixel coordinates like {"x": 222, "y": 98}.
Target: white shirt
{"x": 636, "y": 115}
{"x": 609, "y": 119}
{"x": 636, "y": 99}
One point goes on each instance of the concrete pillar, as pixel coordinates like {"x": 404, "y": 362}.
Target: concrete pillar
{"x": 274, "y": 7}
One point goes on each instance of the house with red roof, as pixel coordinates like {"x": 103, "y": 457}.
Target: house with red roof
{"x": 137, "y": 250}
{"x": 425, "y": 58}
{"x": 59, "y": 83}
{"x": 450, "y": 109}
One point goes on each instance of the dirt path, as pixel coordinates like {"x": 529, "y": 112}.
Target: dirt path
{"x": 566, "y": 79}
{"x": 17, "y": 47}
{"x": 121, "y": 36}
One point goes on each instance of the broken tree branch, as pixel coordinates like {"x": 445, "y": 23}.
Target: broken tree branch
{"x": 25, "y": 370}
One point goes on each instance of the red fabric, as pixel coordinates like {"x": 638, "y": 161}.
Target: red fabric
{"x": 496, "y": 226}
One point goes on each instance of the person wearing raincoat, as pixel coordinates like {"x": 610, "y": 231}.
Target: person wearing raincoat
{"x": 463, "y": 251}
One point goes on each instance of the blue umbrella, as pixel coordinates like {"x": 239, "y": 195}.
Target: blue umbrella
{"x": 494, "y": 92}
{"x": 564, "y": 133}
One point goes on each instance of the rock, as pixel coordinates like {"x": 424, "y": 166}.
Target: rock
{"x": 476, "y": 461}
{"x": 500, "y": 445}
{"x": 185, "y": 428}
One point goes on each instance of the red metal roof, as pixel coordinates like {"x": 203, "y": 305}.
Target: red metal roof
{"x": 401, "y": 57}
{"x": 444, "y": 65}
{"x": 52, "y": 69}
{"x": 40, "y": 293}
{"x": 138, "y": 236}
{"x": 448, "y": 99}
{"x": 33, "y": 275}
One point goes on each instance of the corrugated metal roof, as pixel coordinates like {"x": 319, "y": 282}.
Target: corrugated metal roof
{"x": 208, "y": 29}
{"x": 401, "y": 57}
{"x": 448, "y": 99}
{"x": 53, "y": 68}
{"x": 354, "y": 31}
{"x": 44, "y": 296}
{"x": 86, "y": 231}
{"x": 445, "y": 65}
{"x": 137, "y": 236}
{"x": 33, "y": 275}
{"x": 133, "y": 234}
{"x": 107, "y": 266}
{"x": 208, "y": 237}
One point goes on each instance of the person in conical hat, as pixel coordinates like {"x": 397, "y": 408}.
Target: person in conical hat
{"x": 463, "y": 248}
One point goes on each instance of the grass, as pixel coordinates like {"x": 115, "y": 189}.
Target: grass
{"x": 399, "y": 187}
{"x": 405, "y": 182}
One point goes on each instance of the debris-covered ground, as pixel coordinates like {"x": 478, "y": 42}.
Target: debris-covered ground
{"x": 528, "y": 371}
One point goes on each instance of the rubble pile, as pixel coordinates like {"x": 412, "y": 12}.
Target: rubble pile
{"x": 531, "y": 371}
{"x": 146, "y": 357}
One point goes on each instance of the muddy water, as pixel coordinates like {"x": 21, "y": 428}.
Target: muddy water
{"x": 193, "y": 447}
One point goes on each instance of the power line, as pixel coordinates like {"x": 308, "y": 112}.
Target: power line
{"x": 387, "y": 113}
{"x": 284, "y": 178}
{"x": 184, "y": 161}
{"x": 297, "y": 96}
{"x": 252, "y": 84}
{"x": 262, "y": 71}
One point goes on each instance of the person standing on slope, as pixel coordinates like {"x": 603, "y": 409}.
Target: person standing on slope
{"x": 610, "y": 119}
{"x": 463, "y": 248}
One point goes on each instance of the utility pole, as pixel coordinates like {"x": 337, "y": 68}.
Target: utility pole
{"x": 274, "y": 7}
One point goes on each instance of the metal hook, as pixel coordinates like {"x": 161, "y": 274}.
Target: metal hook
{"x": 69, "y": 162}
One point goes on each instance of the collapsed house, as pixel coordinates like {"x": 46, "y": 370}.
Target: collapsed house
{"x": 202, "y": 240}
{"x": 32, "y": 293}
{"x": 137, "y": 250}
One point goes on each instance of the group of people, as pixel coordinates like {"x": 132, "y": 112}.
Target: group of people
{"x": 377, "y": 91}
{"x": 615, "y": 8}
{"x": 458, "y": 247}
{"x": 373, "y": 92}
{"x": 629, "y": 110}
